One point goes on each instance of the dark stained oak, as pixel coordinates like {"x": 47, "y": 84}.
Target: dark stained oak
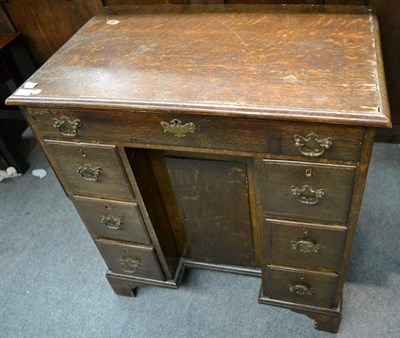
{"x": 149, "y": 189}
{"x": 213, "y": 199}
{"x": 121, "y": 259}
{"x": 238, "y": 60}
{"x": 159, "y": 2}
{"x": 281, "y": 177}
{"x": 310, "y": 2}
{"x": 229, "y": 138}
{"x": 48, "y": 24}
{"x": 389, "y": 28}
{"x": 52, "y": 29}
{"x": 211, "y": 132}
{"x": 112, "y": 219}
{"x": 300, "y": 286}
{"x": 7, "y": 39}
{"x": 43, "y": 42}
{"x": 109, "y": 182}
{"x": 303, "y": 245}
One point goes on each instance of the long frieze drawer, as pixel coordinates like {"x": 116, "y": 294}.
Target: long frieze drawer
{"x": 90, "y": 170}
{"x": 303, "y": 245}
{"x": 299, "y": 286}
{"x": 304, "y": 191}
{"x": 302, "y": 140}
{"x": 132, "y": 260}
{"x": 111, "y": 219}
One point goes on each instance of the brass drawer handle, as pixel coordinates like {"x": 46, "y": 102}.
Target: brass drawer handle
{"x": 88, "y": 172}
{"x": 312, "y": 145}
{"x": 129, "y": 265}
{"x": 305, "y": 246}
{"x": 112, "y": 222}
{"x": 177, "y": 128}
{"x": 302, "y": 289}
{"x": 66, "y": 126}
{"x": 307, "y": 195}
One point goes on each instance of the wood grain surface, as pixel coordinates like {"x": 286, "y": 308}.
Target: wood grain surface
{"x": 251, "y": 135}
{"x": 111, "y": 182}
{"x": 279, "y": 280}
{"x": 389, "y": 23}
{"x": 6, "y": 39}
{"x": 226, "y": 196}
{"x": 279, "y": 201}
{"x": 48, "y": 24}
{"x": 213, "y": 200}
{"x": 94, "y": 210}
{"x": 251, "y": 60}
{"x": 115, "y": 252}
{"x": 282, "y": 234}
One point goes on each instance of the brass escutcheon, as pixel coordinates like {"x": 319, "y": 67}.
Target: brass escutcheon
{"x": 66, "y": 126}
{"x": 312, "y": 145}
{"x": 177, "y": 128}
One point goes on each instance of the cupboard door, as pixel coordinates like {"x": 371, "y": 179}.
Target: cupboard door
{"x": 213, "y": 200}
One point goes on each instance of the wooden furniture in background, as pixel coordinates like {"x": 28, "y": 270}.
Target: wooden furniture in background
{"x": 388, "y": 13}
{"x": 15, "y": 67}
{"x": 232, "y": 138}
{"x": 48, "y": 24}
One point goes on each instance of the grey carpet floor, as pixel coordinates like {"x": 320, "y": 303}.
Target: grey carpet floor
{"x": 52, "y": 281}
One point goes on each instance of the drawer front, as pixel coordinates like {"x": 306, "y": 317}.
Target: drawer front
{"x": 300, "y": 191}
{"x": 90, "y": 170}
{"x": 130, "y": 260}
{"x": 299, "y": 140}
{"x": 300, "y": 286}
{"x": 111, "y": 219}
{"x": 303, "y": 245}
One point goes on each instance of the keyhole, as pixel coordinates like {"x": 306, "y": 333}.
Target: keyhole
{"x": 107, "y": 207}
{"x": 82, "y": 152}
{"x": 301, "y": 277}
{"x": 308, "y": 172}
{"x": 126, "y": 251}
{"x": 305, "y": 232}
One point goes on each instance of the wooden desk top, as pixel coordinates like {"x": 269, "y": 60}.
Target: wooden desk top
{"x": 274, "y": 62}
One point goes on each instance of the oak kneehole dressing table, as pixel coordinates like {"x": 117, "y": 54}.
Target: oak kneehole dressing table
{"x": 231, "y": 138}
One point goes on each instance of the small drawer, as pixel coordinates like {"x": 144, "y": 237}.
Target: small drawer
{"x": 304, "y": 191}
{"x": 299, "y": 286}
{"x": 303, "y": 245}
{"x": 111, "y": 219}
{"x": 289, "y": 139}
{"x": 132, "y": 260}
{"x": 90, "y": 170}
